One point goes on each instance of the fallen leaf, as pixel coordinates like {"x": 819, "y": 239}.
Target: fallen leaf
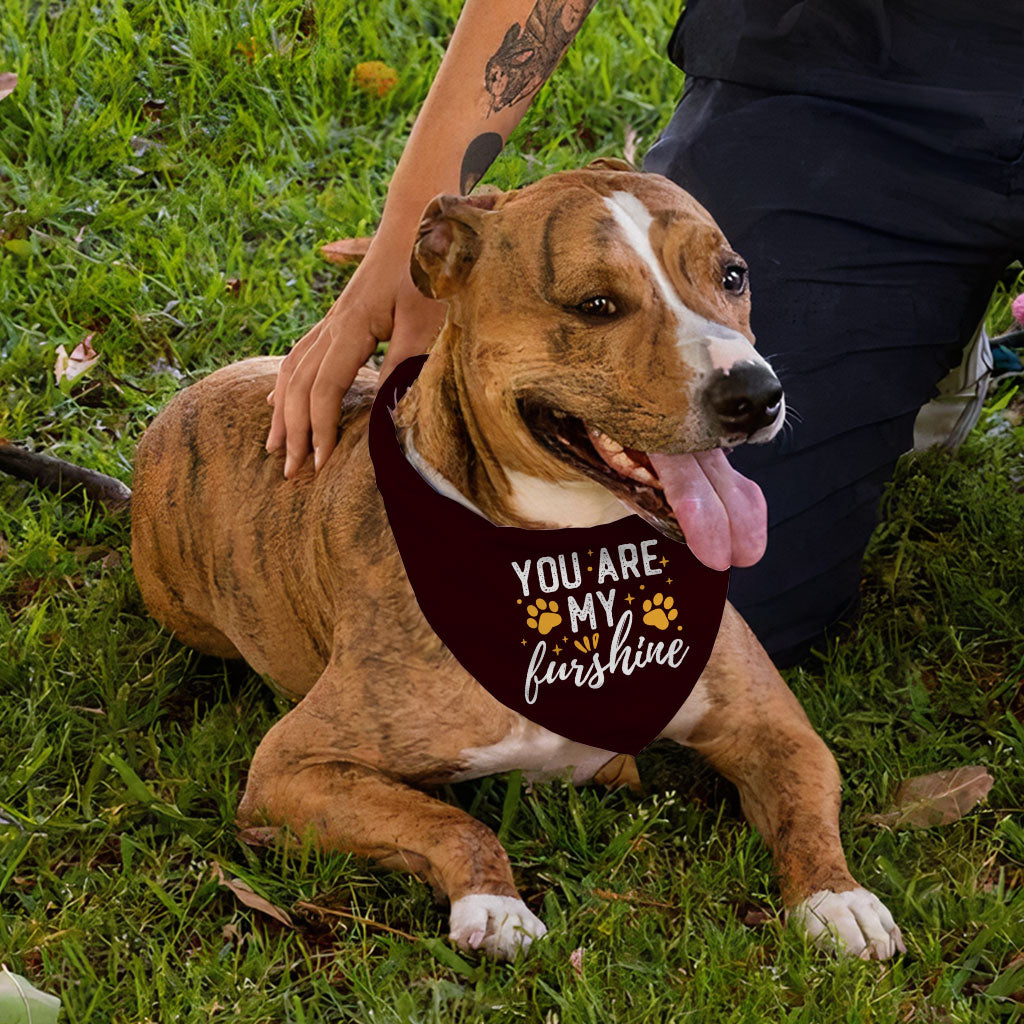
{"x": 4, "y": 547}
{"x": 22, "y": 1003}
{"x": 8, "y": 81}
{"x": 86, "y": 553}
{"x": 346, "y": 250}
{"x": 112, "y": 560}
{"x": 249, "y": 50}
{"x": 232, "y": 285}
{"x": 244, "y": 894}
{"x": 139, "y": 145}
{"x": 83, "y": 357}
{"x": 936, "y": 799}
{"x": 152, "y": 108}
{"x": 576, "y": 961}
{"x": 755, "y": 917}
{"x": 259, "y": 835}
{"x": 375, "y": 76}
{"x": 629, "y": 150}
{"x": 163, "y": 366}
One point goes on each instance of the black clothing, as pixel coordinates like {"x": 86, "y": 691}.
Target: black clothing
{"x": 876, "y": 192}
{"x": 907, "y": 51}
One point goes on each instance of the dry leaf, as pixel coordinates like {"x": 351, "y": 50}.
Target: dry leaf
{"x": 629, "y": 150}
{"x": 346, "y": 250}
{"x": 112, "y": 560}
{"x": 755, "y": 917}
{"x": 375, "y": 76}
{"x": 576, "y": 961}
{"x": 259, "y": 835}
{"x": 152, "y": 108}
{"x": 4, "y": 547}
{"x": 936, "y": 799}
{"x": 68, "y": 367}
{"x": 8, "y": 80}
{"x": 232, "y": 286}
{"x": 249, "y": 50}
{"x": 244, "y": 894}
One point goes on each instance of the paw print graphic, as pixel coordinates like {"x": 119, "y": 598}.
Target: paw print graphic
{"x": 543, "y": 616}
{"x": 588, "y": 644}
{"x": 659, "y": 611}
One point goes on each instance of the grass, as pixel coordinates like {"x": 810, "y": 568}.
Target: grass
{"x": 154, "y": 154}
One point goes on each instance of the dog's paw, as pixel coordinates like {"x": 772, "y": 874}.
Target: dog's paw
{"x": 855, "y": 922}
{"x": 501, "y": 926}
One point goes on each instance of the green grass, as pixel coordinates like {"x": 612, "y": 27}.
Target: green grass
{"x": 153, "y": 151}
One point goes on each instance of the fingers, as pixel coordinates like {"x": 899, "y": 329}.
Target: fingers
{"x": 314, "y": 376}
{"x": 276, "y": 435}
{"x": 334, "y": 377}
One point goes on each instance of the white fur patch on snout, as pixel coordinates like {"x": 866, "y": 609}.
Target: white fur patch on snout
{"x": 856, "y": 923}
{"x": 501, "y": 926}
{"x": 703, "y": 344}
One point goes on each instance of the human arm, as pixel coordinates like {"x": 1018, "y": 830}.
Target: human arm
{"x": 499, "y": 56}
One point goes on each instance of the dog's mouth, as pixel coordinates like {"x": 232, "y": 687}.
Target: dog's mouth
{"x": 697, "y": 497}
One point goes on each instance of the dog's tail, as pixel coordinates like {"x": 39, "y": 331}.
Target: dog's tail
{"x": 62, "y": 477}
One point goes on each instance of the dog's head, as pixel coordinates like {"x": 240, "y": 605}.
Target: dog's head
{"x": 600, "y": 323}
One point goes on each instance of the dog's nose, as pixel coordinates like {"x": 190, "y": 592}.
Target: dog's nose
{"x": 745, "y": 399}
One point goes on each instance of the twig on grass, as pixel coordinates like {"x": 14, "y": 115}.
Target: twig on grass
{"x": 348, "y": 915}
{"x": 607, "y": 894}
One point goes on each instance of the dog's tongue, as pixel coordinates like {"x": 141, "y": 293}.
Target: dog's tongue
{"x": 722, "y": 514}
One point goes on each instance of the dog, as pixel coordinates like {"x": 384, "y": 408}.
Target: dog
{"x": 598, "y": 326}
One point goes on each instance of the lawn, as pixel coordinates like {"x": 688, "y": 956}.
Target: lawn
{"x": 168, "y": 169}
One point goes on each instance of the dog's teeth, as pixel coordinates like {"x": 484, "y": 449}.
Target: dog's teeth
{"x": 603, "y": 442}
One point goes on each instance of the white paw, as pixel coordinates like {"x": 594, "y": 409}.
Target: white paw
{"x": 499, "y": 925}
{"x": 855, "y": 922}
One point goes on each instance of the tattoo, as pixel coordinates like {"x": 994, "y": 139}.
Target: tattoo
{"x": 529, "y": 52}
{"x": 480, "y": 154}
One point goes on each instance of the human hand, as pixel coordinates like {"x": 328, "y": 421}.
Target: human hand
{"x": 380, "y": 303}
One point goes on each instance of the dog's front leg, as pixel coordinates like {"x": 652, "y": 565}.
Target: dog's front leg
{"x": 748, "y": 724}
{"x": 302, "y": 778}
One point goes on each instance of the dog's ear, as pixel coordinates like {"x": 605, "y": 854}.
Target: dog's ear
{"x": 610, "y": 163}
{"x": 449, "y": 241}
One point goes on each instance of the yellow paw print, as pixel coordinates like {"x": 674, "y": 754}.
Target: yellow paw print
{"x": 588, "y": 644}
{"x": 659, "y": 612}
{"x": 543, "y": 616}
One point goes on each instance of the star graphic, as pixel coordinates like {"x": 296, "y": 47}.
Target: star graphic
{"x": 664, "y": 561}
{"x": 630, "y": 598}
{"x": 669, "y": 580}
{"x": 557, "y": 649}
{"x": 565, "y": 639}
{"x": 589, "y": 551}
{"x": 523, "y": 642}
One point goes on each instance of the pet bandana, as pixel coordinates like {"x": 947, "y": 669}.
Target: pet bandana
{"x": 596, "y": 633}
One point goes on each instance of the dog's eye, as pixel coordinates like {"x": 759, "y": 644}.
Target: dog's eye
{"x": 734, "y": 278}
{"x": 597, "y": 305}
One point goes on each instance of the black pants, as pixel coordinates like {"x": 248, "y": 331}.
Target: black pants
{"x": 874, "y": 236}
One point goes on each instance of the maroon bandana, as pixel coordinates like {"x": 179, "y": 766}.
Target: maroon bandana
{"x": 597, "y": 633}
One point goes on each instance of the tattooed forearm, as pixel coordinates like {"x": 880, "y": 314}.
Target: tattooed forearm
{"x": 529, "y": 52}
{"x": 480, "y": 154}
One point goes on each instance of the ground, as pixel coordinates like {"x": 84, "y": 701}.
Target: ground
{"x": 167, "y": 169}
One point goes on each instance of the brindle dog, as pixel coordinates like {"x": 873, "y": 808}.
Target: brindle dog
{"x": 302, "y": 578}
